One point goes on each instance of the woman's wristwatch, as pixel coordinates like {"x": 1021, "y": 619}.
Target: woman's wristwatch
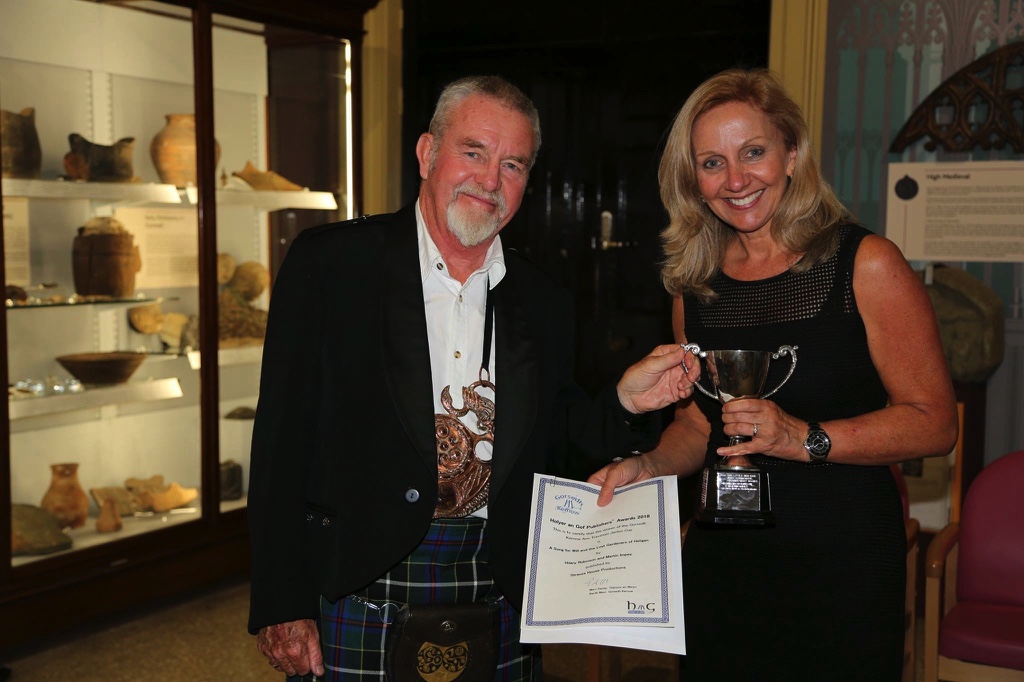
{"x": 817, "y": 443}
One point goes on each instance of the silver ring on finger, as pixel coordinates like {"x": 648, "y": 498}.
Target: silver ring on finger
{"x": 754, "y": 435}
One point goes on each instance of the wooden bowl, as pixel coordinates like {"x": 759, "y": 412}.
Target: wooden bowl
{"x": 113, "y": 367}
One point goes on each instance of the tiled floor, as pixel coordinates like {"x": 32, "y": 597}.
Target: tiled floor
{"x": 204, "y": 638}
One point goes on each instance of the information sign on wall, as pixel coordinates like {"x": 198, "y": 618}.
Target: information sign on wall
{"x": 17, "y": 263}
{"x": 971, "y": 211}
{"x": 168, "y": 241}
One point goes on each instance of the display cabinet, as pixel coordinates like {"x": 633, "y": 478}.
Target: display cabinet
{"x": 157, "y": 159}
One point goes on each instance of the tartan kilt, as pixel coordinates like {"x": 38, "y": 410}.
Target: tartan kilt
{"x": 449, "y": 567}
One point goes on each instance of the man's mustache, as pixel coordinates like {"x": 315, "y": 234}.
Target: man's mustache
{"x": 495, "y": 197}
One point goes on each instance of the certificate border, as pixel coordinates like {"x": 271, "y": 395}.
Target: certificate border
{"x": 531, "y": 582}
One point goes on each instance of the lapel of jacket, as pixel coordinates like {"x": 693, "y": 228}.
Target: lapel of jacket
{"x": 516, "y": 380}
{"x": 406, "y": 352}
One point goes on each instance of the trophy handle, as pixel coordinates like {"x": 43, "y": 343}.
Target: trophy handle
{"x": 783, "y": 350}
{"x": 695, "y": 349}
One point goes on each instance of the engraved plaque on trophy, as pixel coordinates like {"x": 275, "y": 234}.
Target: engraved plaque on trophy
{"x": 735, "y": 491}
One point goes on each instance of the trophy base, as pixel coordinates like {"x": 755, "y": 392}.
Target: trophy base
{"x": 735, "y": 496}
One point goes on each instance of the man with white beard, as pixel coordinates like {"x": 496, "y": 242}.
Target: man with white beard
{"x": 415, "y": 377}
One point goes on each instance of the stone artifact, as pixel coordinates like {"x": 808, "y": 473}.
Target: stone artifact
{"x": 230, "y": 480}
{"x": 173, "y": 150}
{"x": 241, "y": 412}
{"x": 971, "y": 320}
{"x": 15, "y": 293}
{"x": 35, "y": 531}
{"x": 190, "y": 334}
{"x": 146, "y": 319}
{"x": 137, "y": 485}
{"x": 65, "y": 499}
{"x": 21, "y": 155}
{"x": 265, "y": 180}
{"x": 172, "y": 497}
{"x": 152, "y": 495}
{"x": 225, "y": 268}
{"x": 105, "y": 259}
{"x": 250, "y": 279}
{"x": 100, "y": 162}
{"x": 240, "y": 322}
{"x": 123, "y": 499}
{"x": 170, "y": 330}
{"x": 109, "y": 519}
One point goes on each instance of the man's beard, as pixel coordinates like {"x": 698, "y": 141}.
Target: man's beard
{"x": 466, "y": 224}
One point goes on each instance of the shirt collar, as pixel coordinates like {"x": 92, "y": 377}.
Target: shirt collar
{"x": 493, "y": 265}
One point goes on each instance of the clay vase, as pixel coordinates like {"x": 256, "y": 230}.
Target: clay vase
{"x": 99, "y": 162}
{"x": 65, "y": 499}
{"x": 21, "y": 155}
{"x": 174, "y": 150}
{"x": 109, "y": 519}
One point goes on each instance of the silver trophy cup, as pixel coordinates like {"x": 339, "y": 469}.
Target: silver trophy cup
{"x": 735, "y": 491}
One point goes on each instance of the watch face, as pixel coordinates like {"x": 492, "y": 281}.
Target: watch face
{"x": 818, "y": 443}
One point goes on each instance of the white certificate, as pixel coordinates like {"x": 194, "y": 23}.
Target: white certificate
{"x": 605, "y": 575}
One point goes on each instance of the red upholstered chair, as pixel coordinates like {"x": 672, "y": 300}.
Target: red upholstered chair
{"x": 913, "y": 529}
{"x": 974, "y": 602}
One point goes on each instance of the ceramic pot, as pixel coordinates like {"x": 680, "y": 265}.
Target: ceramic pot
{"x": 65, "y": 499}
{"x": 21, "y": 154}
{"x": 174, "y": 150}
{"x": 100, "y": 162}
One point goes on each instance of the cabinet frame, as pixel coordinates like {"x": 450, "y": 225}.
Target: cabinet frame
{"x": 107, "y": 579}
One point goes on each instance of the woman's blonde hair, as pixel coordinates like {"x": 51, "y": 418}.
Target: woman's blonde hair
{"x": 695, "y": 239}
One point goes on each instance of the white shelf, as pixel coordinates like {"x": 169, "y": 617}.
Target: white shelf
{"x": 87, "y": 536}
{"x": 148, "y": 192}
{"x": 226, "y": 357}
{"x": 91, "y": 397}
{"x": 268, "y": 200}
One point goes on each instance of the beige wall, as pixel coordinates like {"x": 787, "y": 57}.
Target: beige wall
{"x": 382, "y": 108}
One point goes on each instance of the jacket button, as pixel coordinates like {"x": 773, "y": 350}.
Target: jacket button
{"x": 412, "y": 495}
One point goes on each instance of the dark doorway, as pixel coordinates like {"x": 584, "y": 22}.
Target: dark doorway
{"x": 607, "y": 79}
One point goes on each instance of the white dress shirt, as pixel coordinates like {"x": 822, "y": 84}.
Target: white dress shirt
{"x": 455, "y": 326}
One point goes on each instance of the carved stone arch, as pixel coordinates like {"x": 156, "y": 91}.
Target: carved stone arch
{"x": 979, "y": 106}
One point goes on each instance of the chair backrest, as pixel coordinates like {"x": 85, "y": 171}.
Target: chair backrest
{"x": 991, "y": 558}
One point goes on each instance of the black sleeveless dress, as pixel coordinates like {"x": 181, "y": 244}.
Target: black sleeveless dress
{"x": 819, "y": 596}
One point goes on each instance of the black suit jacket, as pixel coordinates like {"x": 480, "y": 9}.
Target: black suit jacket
{"x": 343, "y": 478}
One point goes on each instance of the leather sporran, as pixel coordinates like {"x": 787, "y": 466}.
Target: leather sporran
{"x": 443, "y": 642}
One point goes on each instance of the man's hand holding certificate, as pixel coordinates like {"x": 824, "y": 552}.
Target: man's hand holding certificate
{"x": 605, "y": 575}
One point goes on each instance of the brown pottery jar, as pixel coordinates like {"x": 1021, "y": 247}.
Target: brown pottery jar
{"x": 65, "y": 499}
{"x": 92, "y": 162}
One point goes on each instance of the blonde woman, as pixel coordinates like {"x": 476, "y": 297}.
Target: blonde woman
{"x": 759, "y": 253}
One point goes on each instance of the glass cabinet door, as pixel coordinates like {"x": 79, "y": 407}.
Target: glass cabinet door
{"x": 101, "y": 273}
{"x": 282, "y": 103}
